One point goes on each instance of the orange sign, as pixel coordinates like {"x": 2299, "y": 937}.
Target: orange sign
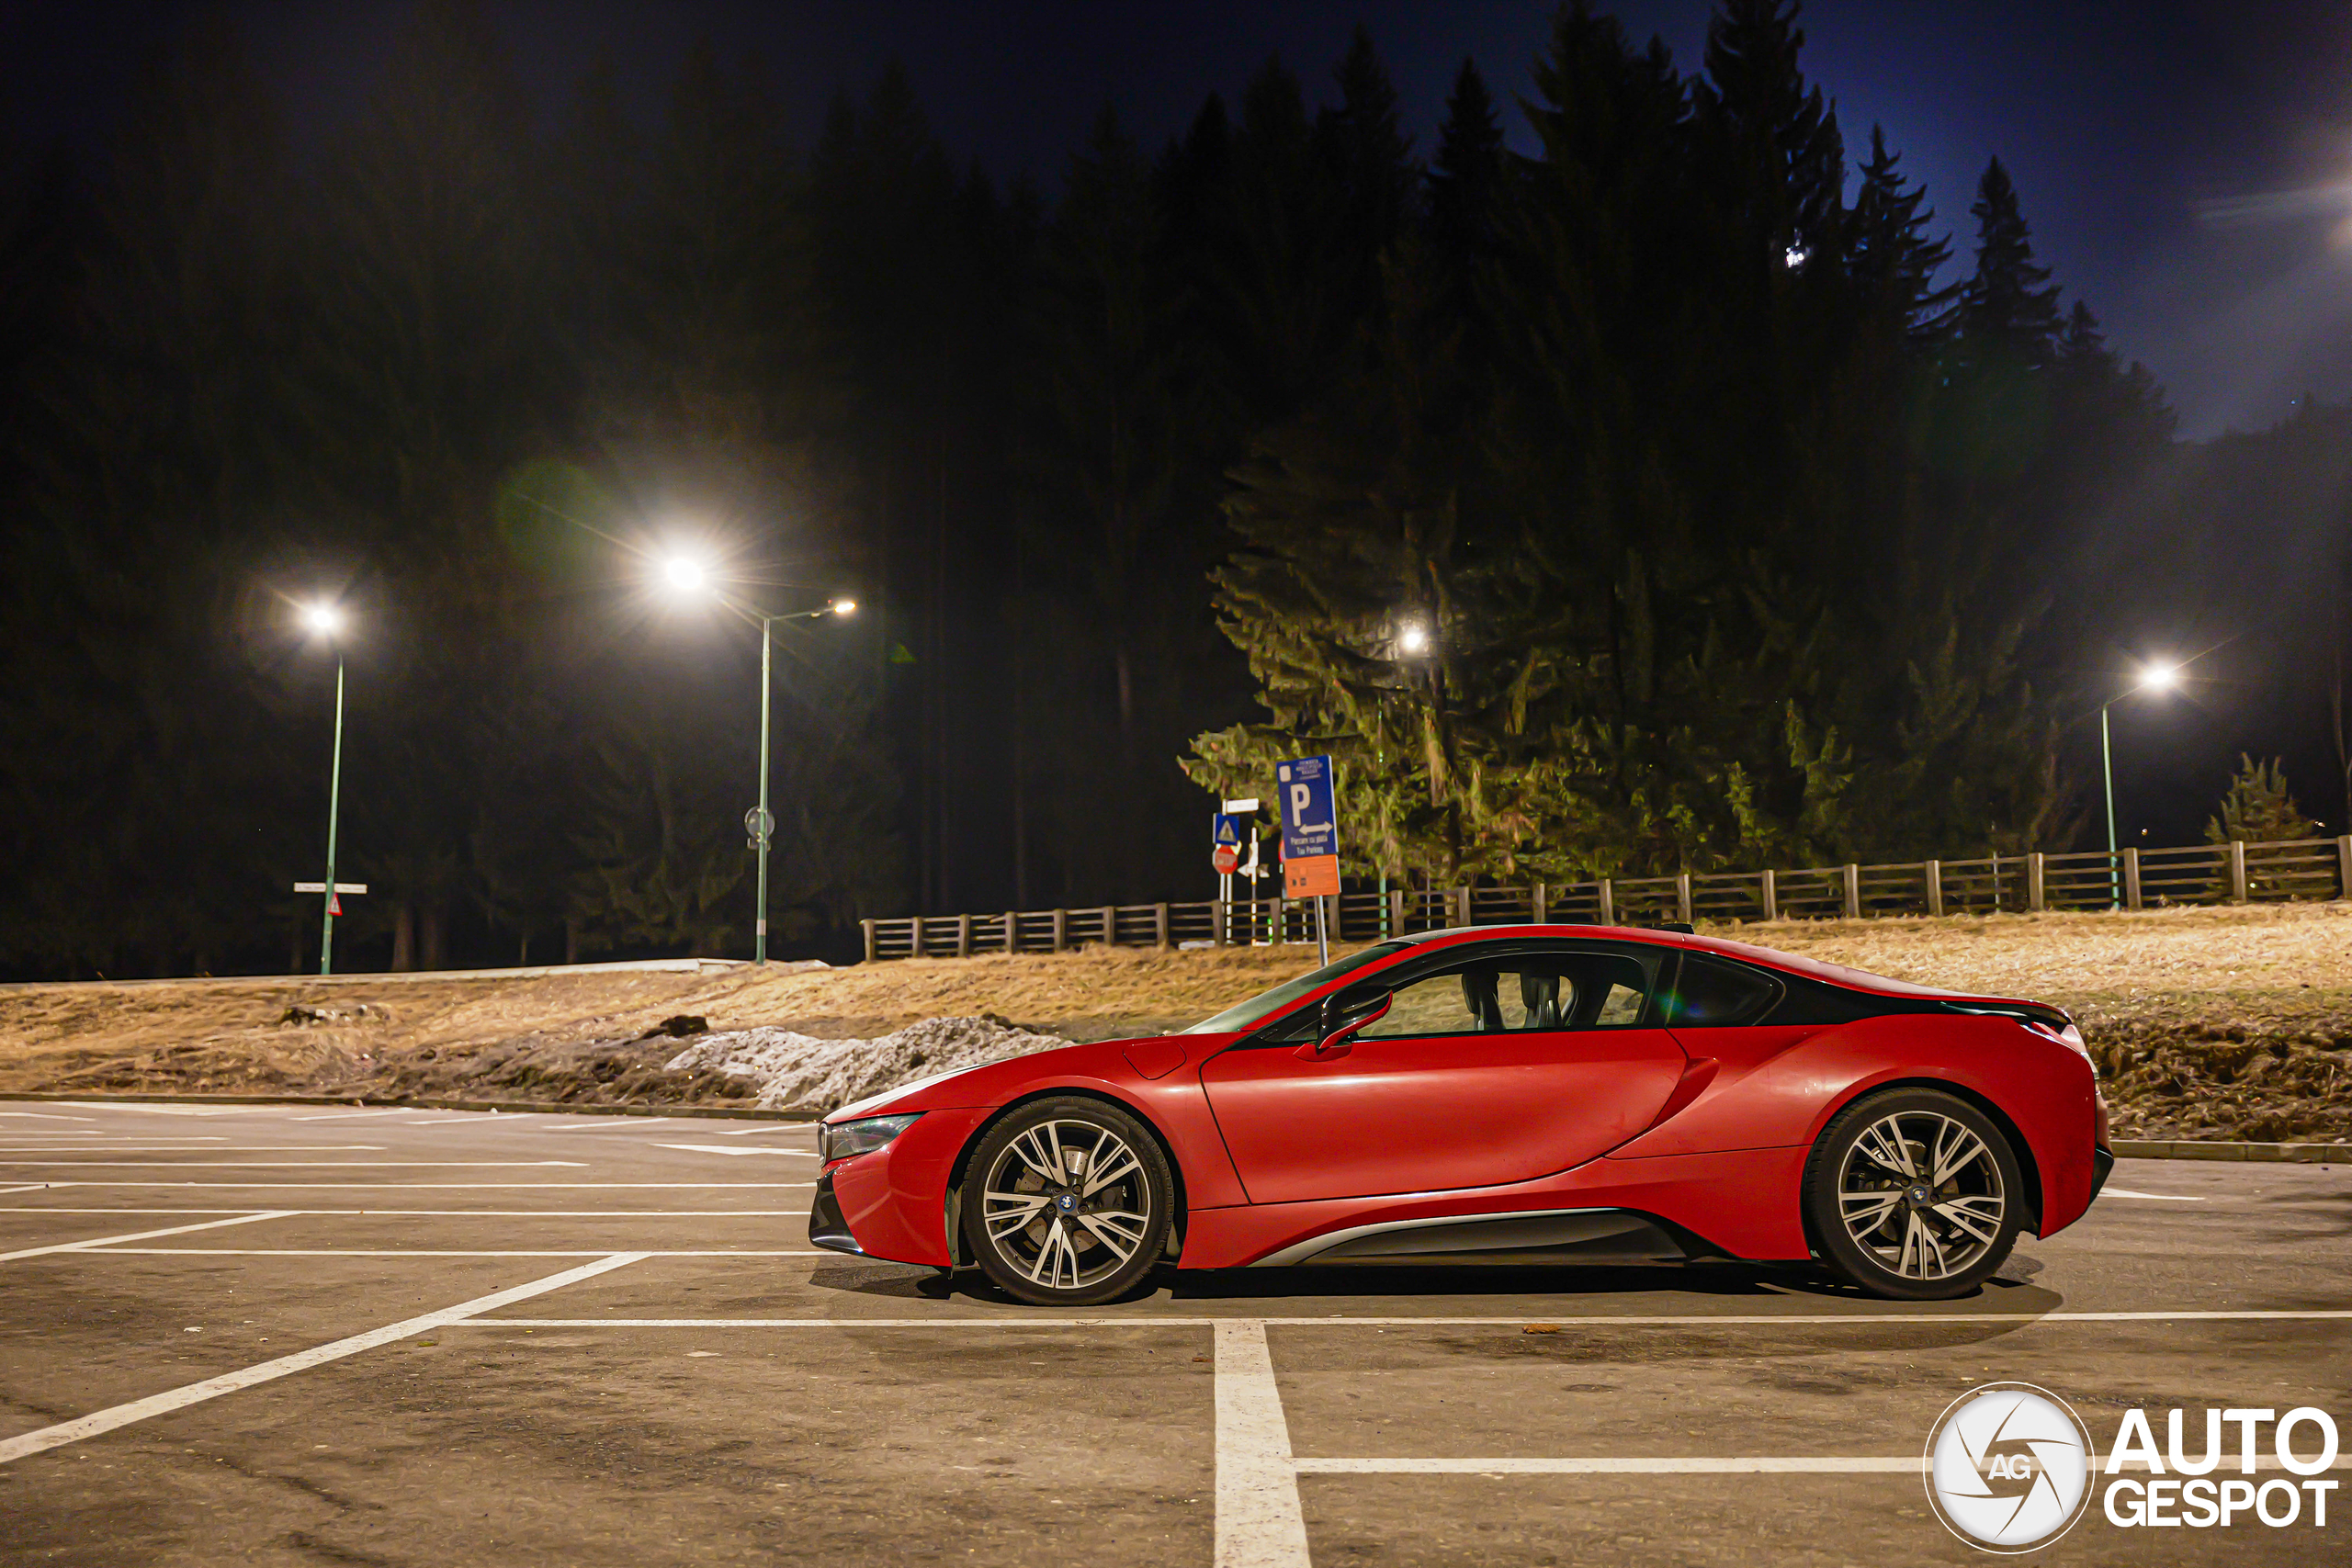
{"x": 1313, "y": 877}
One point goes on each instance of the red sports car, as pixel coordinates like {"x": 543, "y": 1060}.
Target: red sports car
{"x": 1498, "y": 1095}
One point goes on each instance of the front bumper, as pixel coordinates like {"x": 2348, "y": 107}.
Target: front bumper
{"x": 826, "y": 1227}
{"x": 892, "y": 1203}
{"x": 2102, "y": 1167}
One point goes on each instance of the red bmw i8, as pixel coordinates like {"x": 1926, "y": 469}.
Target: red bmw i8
{"x": 1530, "y": 1094}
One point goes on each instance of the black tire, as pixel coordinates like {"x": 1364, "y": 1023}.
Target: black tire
{"x": 1881, "y": 1215}
{"x": 1057, "y": 1240}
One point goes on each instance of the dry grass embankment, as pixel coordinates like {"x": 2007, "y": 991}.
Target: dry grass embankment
{"x": 2212, "y": 1022}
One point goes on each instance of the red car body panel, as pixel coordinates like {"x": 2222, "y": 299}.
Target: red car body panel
{"x": 1382, "y": 1116}
{"x": 1706, "y": 1128}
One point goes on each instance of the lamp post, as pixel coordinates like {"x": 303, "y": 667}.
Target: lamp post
{"x": 2160, "y": 676}
{"x": 325, "y": 620}
{"x": 688, "y": 576}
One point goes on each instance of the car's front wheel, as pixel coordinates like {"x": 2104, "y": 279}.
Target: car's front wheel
{"x": 1914, "y": 1194}
{"x": 1068, "y": 1202}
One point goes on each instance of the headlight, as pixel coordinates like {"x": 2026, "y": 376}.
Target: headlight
{"x": 839, "y": 1140}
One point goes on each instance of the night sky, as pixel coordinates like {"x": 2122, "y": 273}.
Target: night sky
{"x": 2188, "y": 167}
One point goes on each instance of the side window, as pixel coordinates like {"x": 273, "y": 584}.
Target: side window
{"x": 1519, "y": 992}
{"x": 1435, "y": 1004}
{"x": 1714, "y": 993}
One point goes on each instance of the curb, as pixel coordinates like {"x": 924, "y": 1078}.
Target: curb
{"x": 2294, "y": 1153}
{"x": 511, "y": 1107}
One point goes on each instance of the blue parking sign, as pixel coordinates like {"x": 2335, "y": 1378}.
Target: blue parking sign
{"x": 1310, "y": 823}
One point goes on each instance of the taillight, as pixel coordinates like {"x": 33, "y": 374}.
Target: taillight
{"x": 2070, "y": 1037}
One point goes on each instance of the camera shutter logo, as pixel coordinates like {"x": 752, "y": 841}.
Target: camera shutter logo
{"x": 2008, "y": 1467}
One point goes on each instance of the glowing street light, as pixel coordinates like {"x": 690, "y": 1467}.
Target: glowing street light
{"x": 1414, "y": 639}
{"x": 326, "y": 619}
{"x": 2157, "y": 675}
{"x": 686, "y": 575}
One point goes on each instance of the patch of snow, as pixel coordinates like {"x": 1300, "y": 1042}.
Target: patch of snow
{"x": 799, "y": 1072}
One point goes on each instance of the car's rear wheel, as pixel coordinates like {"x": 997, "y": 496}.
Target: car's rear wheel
{"x": 1068, "y": 1202}
{"x": 1914, "y": 1194}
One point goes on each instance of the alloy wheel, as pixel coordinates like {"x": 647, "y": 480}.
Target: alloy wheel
{"x": 1921, "y": 1194}
{"x": 1066, "y": 1204}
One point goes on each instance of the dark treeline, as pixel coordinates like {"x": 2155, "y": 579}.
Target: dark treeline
{"x": 1672, "y": 497}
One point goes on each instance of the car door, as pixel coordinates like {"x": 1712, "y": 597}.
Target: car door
{"x": 1496, "y": 1063}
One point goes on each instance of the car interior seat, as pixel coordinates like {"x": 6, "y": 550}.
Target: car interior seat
{"x": 1540, "y": 994}
{"x": 1479, "y": 994}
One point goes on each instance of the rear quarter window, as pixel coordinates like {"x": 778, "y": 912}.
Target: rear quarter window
{"x": 1714, "y": 993}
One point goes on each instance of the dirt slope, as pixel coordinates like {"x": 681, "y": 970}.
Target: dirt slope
{"x": 2210, "y": 1023}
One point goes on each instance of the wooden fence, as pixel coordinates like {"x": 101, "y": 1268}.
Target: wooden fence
{"x": 2134, "y": 879}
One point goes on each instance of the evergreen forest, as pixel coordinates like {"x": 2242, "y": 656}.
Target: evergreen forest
{"x": 1635, "y": 472}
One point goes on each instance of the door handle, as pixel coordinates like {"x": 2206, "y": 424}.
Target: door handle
{"x": 1314, "y": 1051}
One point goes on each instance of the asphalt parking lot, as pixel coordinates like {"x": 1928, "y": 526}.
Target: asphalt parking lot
{"x": 303, "y": 1335}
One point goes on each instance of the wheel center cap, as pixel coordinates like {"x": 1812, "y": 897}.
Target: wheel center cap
{"x": 1920, "y": 1197}
{"x": 1067, "y": 1202}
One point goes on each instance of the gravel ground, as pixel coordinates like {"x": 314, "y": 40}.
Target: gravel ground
{"x": 2209, "y": 1022}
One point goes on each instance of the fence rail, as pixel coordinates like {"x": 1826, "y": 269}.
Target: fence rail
{"x": 2134, "y": 879}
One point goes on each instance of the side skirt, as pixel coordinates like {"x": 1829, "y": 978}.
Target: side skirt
{"x": 1541, "y": 1235}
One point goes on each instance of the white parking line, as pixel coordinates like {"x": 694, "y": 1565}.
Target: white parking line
{"x": 354, "y": 1115}
{"x": 449, "y": 1185}
{"x": 107, "y": 1420}
{"x": 2155, "y": 1197}
{"x": 607, "y": 1124}
{"x": 724, "y": 1149}
{"x": 763, "y": 1127}
{"x": 1564, "y": 1324}
{"x": 33, "y": 1187}
{"x": 181, "y": 1149}
{"x": 102, "y": 1241}
{"x": 426, "y": 1252}
{"x": 448, "y": 1213}
{"x": 299, "y": 1164}
{"x": 1745, "y": 1465}
{"x": 1258, "y": 1523}
{"x": 47, "y": 1116}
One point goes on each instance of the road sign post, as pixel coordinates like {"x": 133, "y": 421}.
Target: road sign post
{"x": 1310, "y": 837}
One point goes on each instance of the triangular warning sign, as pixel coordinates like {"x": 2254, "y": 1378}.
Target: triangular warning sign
{"x": 334, "y": 904}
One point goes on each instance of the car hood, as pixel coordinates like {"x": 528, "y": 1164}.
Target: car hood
{"x": 991, "y": 1084}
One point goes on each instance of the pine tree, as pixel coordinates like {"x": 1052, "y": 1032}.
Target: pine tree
{"x": 2009, "y": 307}
{"x": 1890, "y": 252}
{"x": 2258, "y": 808}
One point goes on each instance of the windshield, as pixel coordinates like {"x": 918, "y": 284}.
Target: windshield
{"x": 1266, "y": 1004}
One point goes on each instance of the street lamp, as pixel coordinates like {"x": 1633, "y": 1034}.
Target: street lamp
{"x": 2160, "y": 675}
{"x": 326, "y": 619}
{"x": 686, "y": 575}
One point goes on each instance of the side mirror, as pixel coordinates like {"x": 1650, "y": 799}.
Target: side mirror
{"x": 1345, "y": 1012}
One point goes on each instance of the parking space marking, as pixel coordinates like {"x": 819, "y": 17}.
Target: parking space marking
{"x": 428, "y": 1252}
{"x": 1749, "y": 1465}
{"x": 34, "y": 1187}
{"x": 447, "y": 1213}
{"x": 352, "y": 1115}
{"x": 422, "y": 1252}
{"x": 1564, "y": 1324}
{"x": 608, "y": 1124}
{"x": 438, "y": 1186}
{"x": 180, "y": 1149}
{"x": 98, "y": 1242}
{"x": 763, "y": 1127}
{"x": 305, "y": 1164}
{"x": 724, "y": 1149}
{"x": 1259, "y": 1522}
{"x": 2155, "y": 1197}
{"x": 96, "y": 1422}
{"x": 47, "y": 1116}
